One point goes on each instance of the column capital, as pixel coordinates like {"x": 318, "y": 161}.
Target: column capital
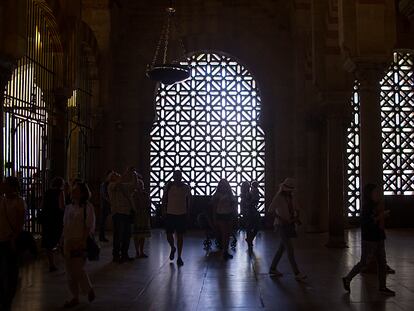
{"x": 61, "y": 96}
{"x": 6, "y": 70}
{"x": 369, "y": 75}
{"x": 336, "y": 105}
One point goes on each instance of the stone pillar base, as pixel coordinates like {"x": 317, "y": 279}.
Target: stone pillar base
{"x": 336, "y": 242}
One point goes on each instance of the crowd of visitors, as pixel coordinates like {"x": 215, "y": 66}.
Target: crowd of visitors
{"x": 68, "y": 223}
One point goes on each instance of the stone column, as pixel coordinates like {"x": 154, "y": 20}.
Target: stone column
{"x": 59, "y": 133}
{"x": 336, "y": 131}
{"x": 6, "y": 71}
{"x": 317, "y": 207}
{"x": 369, "y": 76}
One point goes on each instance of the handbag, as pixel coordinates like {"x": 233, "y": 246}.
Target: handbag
{"x": 92, "y": 248}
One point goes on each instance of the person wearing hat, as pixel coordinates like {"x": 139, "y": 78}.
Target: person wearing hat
{"x": 285, "y": 209}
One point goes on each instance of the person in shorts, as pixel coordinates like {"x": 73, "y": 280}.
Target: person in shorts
{"x": 176, "y": 202}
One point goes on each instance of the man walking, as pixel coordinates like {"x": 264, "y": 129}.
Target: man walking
{"x": 176, "y": 202}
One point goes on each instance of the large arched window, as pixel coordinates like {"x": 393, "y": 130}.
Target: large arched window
{"x": 208, "y": 127}
{"x": 397, "y": 115}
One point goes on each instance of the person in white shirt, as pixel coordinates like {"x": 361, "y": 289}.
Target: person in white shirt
{"x": 285, "y": 209}
{"x": 12, "y": 216}
{"x": 78, "y": 224}
{"x": 225, "y": 211}
{"x": 176, "y": 202}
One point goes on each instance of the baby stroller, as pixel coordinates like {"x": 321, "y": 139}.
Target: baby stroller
{"x": 205, "y": 222}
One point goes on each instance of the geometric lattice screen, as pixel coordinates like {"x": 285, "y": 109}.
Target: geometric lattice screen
{"x": 397, "y": 113}
{"x": 352, "y": 153}
{"x": 207, "y": 126}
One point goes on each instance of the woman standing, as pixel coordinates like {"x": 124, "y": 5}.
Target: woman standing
{"x": 224, "y": 204}
{"x": 285, "y": 209}
{"x": 52, "y": 219}
{"x": 78, "y": 224}
{"x": 141, "y": 228}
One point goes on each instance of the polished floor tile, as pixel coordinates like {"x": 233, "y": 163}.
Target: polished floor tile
{"x": 206, "y": 282}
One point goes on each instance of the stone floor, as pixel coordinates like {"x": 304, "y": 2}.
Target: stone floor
{"x": 205, "y": 282}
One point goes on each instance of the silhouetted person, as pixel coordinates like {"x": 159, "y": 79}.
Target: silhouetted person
{"x": 251, "y": 213}
{"x": 176, "y": 202}
{"x": 120, "y": 191}
{"x": 12, "y": 216}
{"x": 78, "y": 224}
{"x": 105, "y": 207}
{"x": 225, "y": 212}
{"x": 52, "y": 219}
{"x": 372, "y": 236}
{"x": 285, "y": 209}
{"x": 141, "y": 228}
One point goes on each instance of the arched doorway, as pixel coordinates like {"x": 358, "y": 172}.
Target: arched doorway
{"x": 28, "y": 109}
{"x": 208, "y": 126}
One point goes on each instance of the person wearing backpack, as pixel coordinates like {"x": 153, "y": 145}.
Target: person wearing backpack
{"x": 12, "y": 216}
{"x": 176, "y": 202}
{"x": 78, "y": 225}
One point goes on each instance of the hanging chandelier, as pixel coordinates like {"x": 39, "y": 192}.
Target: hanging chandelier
{"x": 165, "y": 68}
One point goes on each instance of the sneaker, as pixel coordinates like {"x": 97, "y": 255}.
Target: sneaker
{"x": 53, "y": 269}
{"x": 172, "y": 254}
{"x": 386, "y": 291}
{"x": 275, "y": 272}
{"x": 346, "y": 284}
{"x": 300, "y": 277}
{"x": 226, "y": 256}
{"x": 103, "y": 239}
{"x": 180, "y": 262}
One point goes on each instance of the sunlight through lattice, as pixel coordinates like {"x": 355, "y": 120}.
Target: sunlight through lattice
{"x": 208, "y": 127}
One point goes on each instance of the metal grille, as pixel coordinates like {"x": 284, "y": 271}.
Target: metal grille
{"x": 397, "y": 112}
{"x": 208, "y": 127}
{"x": 28, "y": 101}
{"x": 352, "y": 156}
{"x": 79, "y": 108}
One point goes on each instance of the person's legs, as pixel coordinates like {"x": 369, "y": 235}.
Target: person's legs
{"x": 116, "y": 237}
{"x": 10, "y": 272}
{"x": 125, "y": 233}
{"x": 51, "y": 259}
{"x": 180, "y": 242}
{"x": 277, "y": 256}
{"x": 71, "y": 275}
{"x": 291, "y": 255}
{"x": 81, "y": 276}
{"x": 141, "y": 246}
{"x": 102, "y": 223}
{"x": 382, "y": 264}
{"x": 367, "y": 249}
{"x": 137, "y": 246}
